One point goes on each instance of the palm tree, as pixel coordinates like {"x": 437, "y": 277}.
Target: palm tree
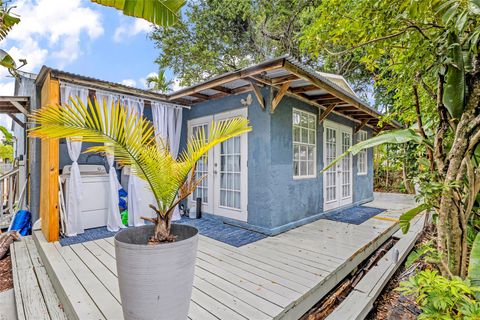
{"x": 131, "y": 138}
{"x": 160, "y": 12}
{"x": 159, "y": 81}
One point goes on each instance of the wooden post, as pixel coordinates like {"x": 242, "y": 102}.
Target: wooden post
{"x": 49, "y": 158}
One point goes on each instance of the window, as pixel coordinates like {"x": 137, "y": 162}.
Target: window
{"x": 201, "y": 170}
{"x": 304, "y": 144}
{"x": 362, "y": 155}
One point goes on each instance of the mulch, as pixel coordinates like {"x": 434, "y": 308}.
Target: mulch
{"x": 6, "y": 277}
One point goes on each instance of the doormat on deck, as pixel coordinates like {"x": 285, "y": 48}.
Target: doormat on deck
{"x": 355, "y": 215}
{"x": 226, "y": 233}
{"x": 88, "y": 235}
{"x": 206, "y": 226}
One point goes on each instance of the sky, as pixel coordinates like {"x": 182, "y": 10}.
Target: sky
{"x": 81, "y": 37}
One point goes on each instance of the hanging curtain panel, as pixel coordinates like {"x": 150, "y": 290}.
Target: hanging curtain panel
{"x": 73, "y": 221}
{"x": 167, "y": 122}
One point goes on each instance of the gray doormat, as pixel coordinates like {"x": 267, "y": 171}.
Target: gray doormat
{"x": 355, "y": 215}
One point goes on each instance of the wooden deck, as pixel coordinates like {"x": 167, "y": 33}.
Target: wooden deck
{"x": 278, "y": 277}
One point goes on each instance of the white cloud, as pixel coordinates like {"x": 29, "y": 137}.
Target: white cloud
{"x": 128, "y": 30}
{"x": 143, "y": 81}
{"x": 51, "y": 28}
{"x": 7, "y": 88}
{"x": 129, "y": 82}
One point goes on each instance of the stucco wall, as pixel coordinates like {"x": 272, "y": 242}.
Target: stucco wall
{"x": 276, "y": 200}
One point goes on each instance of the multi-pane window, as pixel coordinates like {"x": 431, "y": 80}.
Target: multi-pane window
{"x": 362, "y": 155}
{"x": 346, "y": 166}
{"x": 304, "y": 144}
{"x": 230, "y": 173}
{"x": 201, "y": 170}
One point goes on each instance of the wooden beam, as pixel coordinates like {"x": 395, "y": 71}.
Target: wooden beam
{"x": 14, "y": 118}
{"x": 20, "y": 107}
{"x": 200, "y": 96}
{"x": 280, "y": 80}
{"x": 50, "y": 94}
{"x": 279, "y": 96}
{"x": 361, "y": 125}
{"x": 242, "y": 89}
{"x": 258, "y": 94}
{"x": 304, "y": 89}
{"x": 326, "y": 113}
{"x": 222, "y": 89}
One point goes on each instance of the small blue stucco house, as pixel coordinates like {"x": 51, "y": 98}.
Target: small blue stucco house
{"x": 269, "y": 180}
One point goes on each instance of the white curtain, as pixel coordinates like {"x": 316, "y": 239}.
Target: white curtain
{"x": 114, "y": 222}
{"x": 138, "y": 197}
{"x": 73, "y": 221}
{"x": 167, "y": 122}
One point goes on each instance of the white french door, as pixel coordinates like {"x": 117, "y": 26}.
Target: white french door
{"x": 337, "y": 180}
{"x": 224, "y": 189}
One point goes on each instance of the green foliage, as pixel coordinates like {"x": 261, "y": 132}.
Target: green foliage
{"x": 159, "y": 82}
{"x": 425, "y": 251}
{"x": 6, "y": 152}
{"x": 442, "y": 298}
{"x": 394, "y": 136}
{"x": 8, "y": 135}
{"x": 406, "y": 217}
{"x": 454, "y": 93}
{"x": 7, "y": 20}
{"x": 131, "y": 139}
{"x": 160, "y": 12}
{"x": 474, "y": 266}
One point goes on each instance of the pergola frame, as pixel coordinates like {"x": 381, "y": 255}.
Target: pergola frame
{"x": 12, "y": 105}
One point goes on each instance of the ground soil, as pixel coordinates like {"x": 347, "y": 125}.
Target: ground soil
{"x": 6, "y": 277}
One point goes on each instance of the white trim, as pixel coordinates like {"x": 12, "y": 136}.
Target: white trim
{"x": 315, "y": 146}
{"x": 339, "y": 200}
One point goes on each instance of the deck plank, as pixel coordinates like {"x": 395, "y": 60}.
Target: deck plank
{"x": 257, "y": 301}
{"x": 198, "y": 313}
{"x": 106, "y": 302}
{"x": 67, "y": 286}
{"x": 106, "y": 277}
{"x": 16, "y": 284}
{"x": 214, "y": 306}
{"x": 107, "y": 260}
{"x": 33, "y": 302}
{"x": 48, "y": 292}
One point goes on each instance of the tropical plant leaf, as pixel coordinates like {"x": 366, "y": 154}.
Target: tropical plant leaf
{"x": 454, "y": 92}
{"x": 131, "y": 138}
{"x": 474, "y": 264}
{"x": 394, "y": 136}
{"x": 6, "y": 60}
{"x": 160, "y": 12}
{"x": 409, "y": 215}
{"x": 7, "y": 21}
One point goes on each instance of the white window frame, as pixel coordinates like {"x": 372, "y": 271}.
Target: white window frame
{"x": 299, "y": 143}
{"x": 362, "y": 136}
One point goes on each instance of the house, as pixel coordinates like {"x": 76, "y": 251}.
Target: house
{"x": 268, "y": 180}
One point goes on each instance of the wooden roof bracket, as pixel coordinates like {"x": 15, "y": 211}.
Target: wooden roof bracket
{"x": 279, "y": 96}
{"x": 361, "y": 125}
{"x": 326, "y": 112}
{"x": 258, "y": 94}
{"x": 14, "y": 118}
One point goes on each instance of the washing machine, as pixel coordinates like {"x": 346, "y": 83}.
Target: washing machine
{"x": 95, "y": 194}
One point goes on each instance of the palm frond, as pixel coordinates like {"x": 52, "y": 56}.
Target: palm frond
{"x": 131, "y": 137}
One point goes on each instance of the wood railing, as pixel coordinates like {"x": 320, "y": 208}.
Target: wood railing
{"x": 9, "y": 184}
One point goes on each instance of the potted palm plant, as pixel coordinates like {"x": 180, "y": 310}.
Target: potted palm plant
{"x": 155, "y": 262}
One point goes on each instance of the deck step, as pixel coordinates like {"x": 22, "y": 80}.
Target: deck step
{"x": 34, "y": 294}
{"x": 76, "y": 301}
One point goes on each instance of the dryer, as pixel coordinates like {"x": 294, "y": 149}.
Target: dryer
{"x": 95, "y": 194}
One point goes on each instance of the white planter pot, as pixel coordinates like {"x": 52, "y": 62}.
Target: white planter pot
{"x": 156, "y": 280}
